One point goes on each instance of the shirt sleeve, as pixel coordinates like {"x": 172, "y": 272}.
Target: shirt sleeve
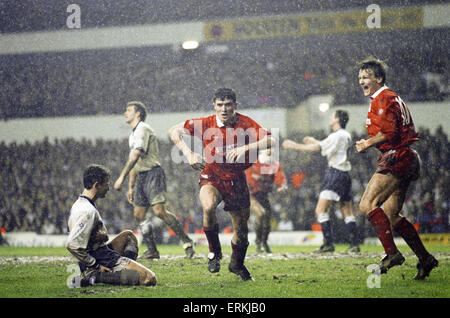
{"x": 79, "y": 235}
{"x": 194, "y": 126}
{"x": 329, "y": 145}
{"x": 141, "y": 137}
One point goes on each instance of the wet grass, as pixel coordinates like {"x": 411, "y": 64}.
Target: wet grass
{"x": 289, "y": 272}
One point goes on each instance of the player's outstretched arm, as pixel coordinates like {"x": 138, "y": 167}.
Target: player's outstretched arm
{"x": 311, "y": 147}
{"x": 310, "y": 140}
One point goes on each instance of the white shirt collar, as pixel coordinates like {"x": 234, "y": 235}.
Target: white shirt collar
{"x": 219, "y": 122}
{"x": 379, "y": 91}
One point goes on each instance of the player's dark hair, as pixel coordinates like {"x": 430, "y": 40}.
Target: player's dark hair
{"x": 378, "y": 67}
{"x": 225, "y": 93}
{"x": 342, "y": 115}
{"x": 95, "y": 173}
{"x": 139, "y": 107}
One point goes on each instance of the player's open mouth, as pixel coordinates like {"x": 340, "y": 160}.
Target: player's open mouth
{"x": 366, "y": 89}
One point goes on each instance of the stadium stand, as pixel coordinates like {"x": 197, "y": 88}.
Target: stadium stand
{"x": 276, "y": 73}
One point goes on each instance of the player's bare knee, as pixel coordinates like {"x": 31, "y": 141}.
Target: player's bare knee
{"x": 148, "y": 279}
{"x": 128, "y": 234}
{"x": 139, "y": 215}
{"x": 209, "y": 209}
{"x": 319, "y": 211}
{"x": 368, "y": 206}
{"x": 363, "y": 207}
{"x": 160, "y": 214}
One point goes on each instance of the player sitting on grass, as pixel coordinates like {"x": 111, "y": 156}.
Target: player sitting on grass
{"x": 112, "y": 263}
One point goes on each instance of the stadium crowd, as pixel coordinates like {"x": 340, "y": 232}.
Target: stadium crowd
{"x": 265, "y": 73}
{"x": 40, "y": 181}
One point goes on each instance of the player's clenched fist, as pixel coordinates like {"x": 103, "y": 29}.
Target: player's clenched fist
{"x": 361, "y": 145}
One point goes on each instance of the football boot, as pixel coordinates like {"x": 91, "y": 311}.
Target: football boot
{"x": 189, "y": 249}
{"x": 425, "y": 266}
{"x": 325, "y": 248}
{"x": 214, "y": 262}
{"x": 353, "y": 249}
{"x": 267, "y": 247}
{"x": 241, "y": 271}
{"x": 150, "y": 255}
{"x": 390, "y": 261}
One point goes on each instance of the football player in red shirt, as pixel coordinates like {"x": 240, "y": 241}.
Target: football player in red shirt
{"x": 391, "y": 130}
{"x": 231, "y": 142}
{"x": 261, "y": 177}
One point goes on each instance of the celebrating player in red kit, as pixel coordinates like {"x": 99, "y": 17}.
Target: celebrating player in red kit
{"x": 261, "y": 177}
{"x": 391, "y": 130}
{"x": 231, "y": 143}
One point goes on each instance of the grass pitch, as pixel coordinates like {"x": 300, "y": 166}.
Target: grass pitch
{"x": 289, "y": 272}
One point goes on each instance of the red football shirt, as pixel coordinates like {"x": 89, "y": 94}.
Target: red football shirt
{"x": 218, "y": 139}
{"x": 389, "y": 115}
{"x": 262, "y": 176}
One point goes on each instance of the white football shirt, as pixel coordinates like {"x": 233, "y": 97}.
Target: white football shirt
{"x": 143, "y": 138}
{"x": 335, "y": 147}
{"x": 84, "y": 222}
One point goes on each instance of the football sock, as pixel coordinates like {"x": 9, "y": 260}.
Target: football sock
{"x": 324, "y": 221}
{"x": 148, "y": 236}
{"x": 350, "y": 224}
{"x": 382, "y": 227}
{"x": 265, "y": 233}
{"x": 238, "y": 253}
{"x": 176, "y": 226}
{"x": 259, "y": 229}
{"x": 411, "y": 237}
{"x": 124, "y": 277}
{"x": 212, "y": 235}
{"x": 131, "y": 251}
{"x": 327, "y": 233}
{"x": 267, "y": 217}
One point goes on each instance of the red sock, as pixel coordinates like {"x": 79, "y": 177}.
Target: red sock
{"x": 411, "y": 237}
{"x": 238, "y": 254}
{"x": 212, "y": 235}
{"x": 380, "y": 223}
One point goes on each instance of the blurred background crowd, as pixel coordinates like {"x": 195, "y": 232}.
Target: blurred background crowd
{"x": 282, "y": 73}
{"x": 40, "y": 181}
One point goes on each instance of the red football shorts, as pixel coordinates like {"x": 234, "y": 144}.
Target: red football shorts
{"x": 234, "y": 193}
{"x": 403, "y": 162}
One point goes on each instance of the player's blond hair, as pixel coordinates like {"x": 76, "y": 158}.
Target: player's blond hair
{"x": 377, "y": 66}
